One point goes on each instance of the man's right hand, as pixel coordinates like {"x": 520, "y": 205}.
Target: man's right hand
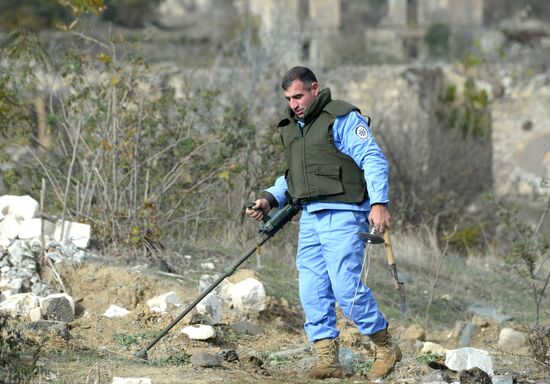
{"x": 260, "y": 208}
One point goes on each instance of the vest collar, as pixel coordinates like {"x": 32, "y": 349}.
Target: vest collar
{"x": 313, "y": 110}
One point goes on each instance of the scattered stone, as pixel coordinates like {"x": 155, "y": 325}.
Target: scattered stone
{"x": 489, "y": 313}
{"x": 229, "y": 355}
{"x": 437, "y": 377}
{"x": 468, "y": 358}
{"x": 45, "y": 327}
{"x": 58, "y": 307}
{"x": 474, "y": 376}
{"x": 77, "y": 233}
{"x": 253, "y": 358}
{"x": 131, "y": 380}
{"x": 199, "y": 332}
{"x": 346, "y": 357}
{"x": 116, "y": 311}
{"x": 415, "y": 332}
{"x": 32, "y": 229}
{"x": 503, "y": 379}
{"x": 162, "y": 302}
{"x": 19, "y": 207}
{"x": 208, "y": 266}
{"x": 211, "y": 308}
{"x": 19, "y": 304}
{"x": 513, "y": 341}
{"x": 205, "y": 360}
{"x": 35, "y": 314}
{"x": 433, "y": 348}
{"x": 248, "y": 296}
{"x": 247, "y": 328}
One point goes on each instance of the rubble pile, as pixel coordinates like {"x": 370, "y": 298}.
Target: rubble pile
{"x": 24, "y": 237}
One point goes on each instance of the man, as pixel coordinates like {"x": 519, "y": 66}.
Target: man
{"x": 337, "y": 171}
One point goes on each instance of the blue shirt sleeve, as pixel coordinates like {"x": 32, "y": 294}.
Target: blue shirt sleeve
{"x": 353, "y": 137}
{"x": 278, "y": 190}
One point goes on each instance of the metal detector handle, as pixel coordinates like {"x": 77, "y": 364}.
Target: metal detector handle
{"x": 265, "y": 217}
{"x": 272, "y": 224}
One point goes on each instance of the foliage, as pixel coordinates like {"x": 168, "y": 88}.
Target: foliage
{"x": 428, "y": 357}
{"x": 468, "y": 111}
{"x": 528, "y": 249}
{"x": 362, "y": 367}
{"x": 437, "y": 39}
{"x": 127, "y": 155}
{"x": 467, "y": 237}
{"x": 126, "y": 340}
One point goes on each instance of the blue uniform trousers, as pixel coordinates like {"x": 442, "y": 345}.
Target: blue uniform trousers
{"x": 329, "y": 260}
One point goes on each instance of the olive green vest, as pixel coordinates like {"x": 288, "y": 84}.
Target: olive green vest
{"x": 316, "y": 169}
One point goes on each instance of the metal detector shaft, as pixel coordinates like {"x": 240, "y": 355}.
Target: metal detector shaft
{"x": 229, "y": 272}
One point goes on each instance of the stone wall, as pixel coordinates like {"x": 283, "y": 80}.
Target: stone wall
{"x": 426, "y": 157}
{"x": 521, "y": 135}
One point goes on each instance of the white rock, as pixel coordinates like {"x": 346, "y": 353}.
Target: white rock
{"x": 19, "y": 207}
{"x": 35, "y": 314}
{"x": 14, "y": 285}
{"x": 32, "y": 228}
{"x": 9, "y": 228}
{"x": 208, "y": 266}
{"x": 77, "y": 233}
{"x": 131, "y": 380}
{"x": 19, "y": 304}
{"x": 513, "y": 341}
{"x": 161, "y": 303}
{"x": 468, "y": 358}
{"x": 4, "y": 294}
{"x": 434, "y": 348}
{"x": 211, "y": 306}
{"x": 116, "y": 311}
{"x": 199, "y": 332}
{"x": 18, "y": 251}
{"x": 248, "y": 295}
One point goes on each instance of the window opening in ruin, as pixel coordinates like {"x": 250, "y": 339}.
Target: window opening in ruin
{"x": 306, "y": 50}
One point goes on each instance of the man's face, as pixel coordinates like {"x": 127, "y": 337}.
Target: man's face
{"x": 299, "y": 97}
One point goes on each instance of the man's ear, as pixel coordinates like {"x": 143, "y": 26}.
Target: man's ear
{"x": 315, "y": 88}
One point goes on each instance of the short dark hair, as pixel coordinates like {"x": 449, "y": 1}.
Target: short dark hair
{"x": 303, "y": 74}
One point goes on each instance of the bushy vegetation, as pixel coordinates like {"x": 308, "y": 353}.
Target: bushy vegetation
{"x": 36, "y": 15}
{"x": 121, "y": 151}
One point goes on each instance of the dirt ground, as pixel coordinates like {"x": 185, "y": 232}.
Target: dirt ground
{"x": 97, "y": 349}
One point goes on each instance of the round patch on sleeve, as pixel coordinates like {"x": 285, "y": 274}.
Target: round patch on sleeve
{"x": 361, "y": 132}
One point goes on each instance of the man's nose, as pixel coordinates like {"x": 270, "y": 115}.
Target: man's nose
{"x": 293, "y": 104}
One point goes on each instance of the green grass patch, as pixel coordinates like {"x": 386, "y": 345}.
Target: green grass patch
{"x": 127, "y": 340}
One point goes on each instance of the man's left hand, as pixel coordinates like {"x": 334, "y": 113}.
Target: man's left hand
{"x": 379, "y": 218}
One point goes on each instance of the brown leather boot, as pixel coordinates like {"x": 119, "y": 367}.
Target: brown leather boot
{"x": 386, "y": 354}
{"x": 327, "y": 365}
